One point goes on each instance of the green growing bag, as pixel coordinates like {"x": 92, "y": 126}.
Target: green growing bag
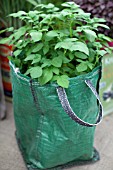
{"x": 49, "y": 132}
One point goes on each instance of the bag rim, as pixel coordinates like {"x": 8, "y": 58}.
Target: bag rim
{"x": 82, "y": 77}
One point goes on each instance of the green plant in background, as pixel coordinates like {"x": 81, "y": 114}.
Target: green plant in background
{"x": 9, "y": 6}
{"x": 55, "y": 45}
{"x": 36, "y": 2}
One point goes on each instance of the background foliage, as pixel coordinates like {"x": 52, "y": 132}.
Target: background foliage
{"x": 10, "y": 6}
{"x": 55, "y": 2}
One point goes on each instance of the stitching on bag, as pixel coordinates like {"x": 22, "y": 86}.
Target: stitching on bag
{"x": 41, "y": 122}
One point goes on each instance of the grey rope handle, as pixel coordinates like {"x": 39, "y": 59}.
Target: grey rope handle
{"x": 67, "y": 108}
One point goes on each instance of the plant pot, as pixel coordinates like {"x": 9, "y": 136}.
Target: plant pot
{"x": 106, "y": 83}
{"x": 48, "y": 131}
{"x": 5, "y": 51}
{"x": 2, "y": 100}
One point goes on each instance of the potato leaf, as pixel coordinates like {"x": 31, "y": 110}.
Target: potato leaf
{"x": 63, "y": 81}
{"x": 46, "y": 76}
{"x": 36, "y": 35}
{"x": 81, "y": 67}
{"x": 80, "y": 46}
{"x": 35, "y": 72}
{"x": 57, "y": 61}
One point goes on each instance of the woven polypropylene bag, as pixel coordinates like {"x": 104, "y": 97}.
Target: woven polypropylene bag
{"x": 48, "y": 137}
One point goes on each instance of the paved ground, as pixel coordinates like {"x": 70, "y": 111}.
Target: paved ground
{"x": 10, "y": 157}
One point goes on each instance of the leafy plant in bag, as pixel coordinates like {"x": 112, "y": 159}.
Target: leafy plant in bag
{"x": 57, "y": 44}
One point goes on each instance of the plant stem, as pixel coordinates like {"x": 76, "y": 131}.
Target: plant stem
{"x": 70, "y": 29}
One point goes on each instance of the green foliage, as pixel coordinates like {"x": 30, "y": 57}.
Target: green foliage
{"x": 36, "y": 2}
{"x": 54, "y": 44}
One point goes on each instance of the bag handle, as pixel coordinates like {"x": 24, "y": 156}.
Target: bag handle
{"x": 67, "y": 108}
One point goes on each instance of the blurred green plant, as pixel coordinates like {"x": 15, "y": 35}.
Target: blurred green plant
{"x": 55, "y": 2}
{"x": 11, "y": 6}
